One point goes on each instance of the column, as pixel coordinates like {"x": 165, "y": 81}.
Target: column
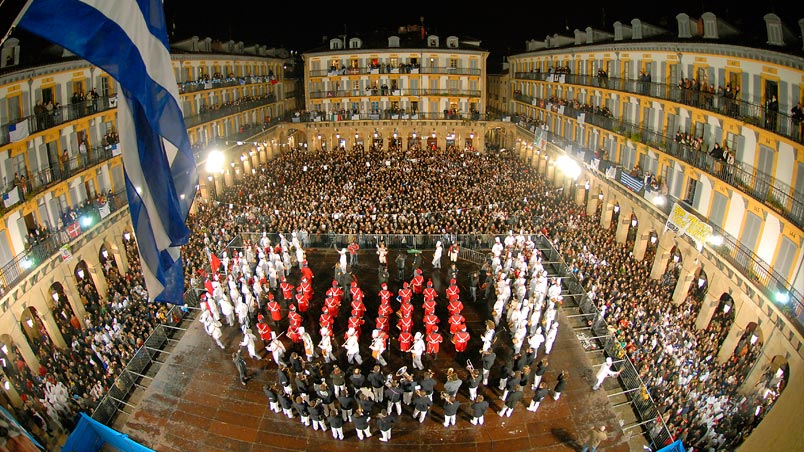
{"x": 663, "y": 249}
{"x": 642, "y": 237}
{"x": 742, "y": 318}
{"x": 685, "y": 280}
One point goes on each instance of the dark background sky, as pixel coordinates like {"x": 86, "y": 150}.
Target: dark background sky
{"x": 502, "y": 28}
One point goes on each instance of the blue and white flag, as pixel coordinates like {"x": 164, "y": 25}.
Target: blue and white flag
{"x": 128, "y": 40}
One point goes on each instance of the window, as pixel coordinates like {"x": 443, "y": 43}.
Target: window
{"x": 692, "y": 185}
{"x": 453, "y": 63}
{"x": 718, "y": 212}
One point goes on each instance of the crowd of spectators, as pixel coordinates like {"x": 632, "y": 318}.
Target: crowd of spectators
{"x": 98, "y": 348}
{"x": 430, "y": 191}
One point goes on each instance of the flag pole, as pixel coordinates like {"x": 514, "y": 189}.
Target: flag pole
{"x": 16, "y": 21}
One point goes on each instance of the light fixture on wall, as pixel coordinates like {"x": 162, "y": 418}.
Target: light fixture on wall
{"x": 6, "y": 384}
{"x": 4, "y": 348}
{"x": 56, "y": 297}
{"x": 105, "y": 254}
{"x": 616, "y": 208}
{"x": 726, "y": 308}
{"x": 80, "y": 273}
{"x": 127, "y": 236}
{"x": 634, "y": 222}
{"x": 701, "y": 282}
{"x": 653, "y": 239}
{"x": 600, "y": 196}
{"x": 29, "y": 322}
{"x": 754, "y": 338}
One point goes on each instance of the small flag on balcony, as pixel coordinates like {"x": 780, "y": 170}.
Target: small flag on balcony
{"x": 74, "y": 230}
{"x": 18, "y": 131}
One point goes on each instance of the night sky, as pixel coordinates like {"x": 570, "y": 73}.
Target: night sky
{"x": 502, "y": 30}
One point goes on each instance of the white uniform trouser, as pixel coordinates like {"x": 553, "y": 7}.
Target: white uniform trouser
{"x": 419, "y": 415}
{"x": 473, "y": 393}
{"x": 321, "y": 424}
{"x": 274, "y": 406}
{"x": 365, "y": 432}
{"x": 385, "y": 434}
{"x": 346, "y": 415}
{"x": 417, "y": 362}
{"x": 478, "y": 420}
{"x": 378, "y": 393}
{"x": 398, "y": 406}
{"x": 337, "y": 432}
{"x": 449, "y": 420}
{"x": 287, "y": 412}
{"x": 407, "y": 397}
{"x": 536, "y": 380}
{"x": 354, "y": 357}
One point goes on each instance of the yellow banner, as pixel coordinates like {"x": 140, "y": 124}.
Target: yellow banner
{"x": 690, "y": 225}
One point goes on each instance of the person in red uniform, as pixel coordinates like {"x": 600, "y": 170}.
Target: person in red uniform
{"x": 429, "y": 306}
{"x": 431, "y": 322}
{"x": 461, "y": 340}
{"x": 302, "y": 302}
{"x": 434, "y": 340}
{"x": 455, "y": 306}
{"x": 406, "y": 309}
{"x": 456, "y": 322}
{"x": 293, "y": 317}
{"x": 453, "y": 292}
{"x": 293, "y": 334}
{"x": 287, "y": 290}
{"x": 417, "y": 283}
{"x": 405, "y": 323}
{"x": 358, "y": 308}
{"x": 405, "y": 340}
{"x": 325, "y": 320}
{"x": 332, "y": 305}
{"x": 307, "y": 273}
{"x": 273, "y": 306}
{"x": 385, "y": 309}
{"x": 264, "y": 329}
{"x": 382, "y": 324}
{"x": 335, "y": 291}
{"x": 353, "y": 248}
{"x": 405, "y": 293}
{"x": 355, "y": 323}
{"x": 385, "y": 294}
{"x": 307, "y": 287}
{"x": 429, "y": 292}
{"x": 356, "y": 292}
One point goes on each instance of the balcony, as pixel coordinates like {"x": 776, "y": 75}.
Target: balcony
{"x": 56, "y": 116}
{"x": 379, "y": 92}
{"x": 220, "y": 111}
{"x": 763, "y": 187}
{"x": 403, "y": 69}
{"x": 202, "y": 85}
{"x": 713, "y": 101}
{"x": 743, "y": 259}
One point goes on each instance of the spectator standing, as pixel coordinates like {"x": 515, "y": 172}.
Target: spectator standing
{"x": 593, "y": 438}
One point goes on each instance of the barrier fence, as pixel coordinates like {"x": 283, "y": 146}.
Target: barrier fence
{"x": 136, "y": 369}
{"x": 643, "y": 404}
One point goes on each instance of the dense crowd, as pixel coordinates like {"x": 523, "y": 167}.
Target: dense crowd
{"x": 74, "y": 379}
{"x": 435, "y": 192}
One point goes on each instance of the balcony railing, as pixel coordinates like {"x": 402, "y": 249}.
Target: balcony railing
{"x": 202, "y": 85}
{"x": 405, "y": 69}
{"x": 761, "y": 186}
{"x": 217, "y": 113}
{"x": 716, "y": 102}
{"x": 380, "y": 92}
{"x": 57, "y": 116}
{"x": 393, "y": 115}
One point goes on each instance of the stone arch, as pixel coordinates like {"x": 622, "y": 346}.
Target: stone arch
{"x": 615, "y": 217}
{"x": 106, "y": 258}
{"x": 721, "y": 320}
{"x": 34, "y": 329}
{"x": 86, "y": 284}
{"x": 63, "y": 312}
{"x": 651, "y": 247}
{"x": 773, "y": 381}
{"x": 747, "y": 350}
{"x": 700, "y": 285}
{"x": 631, "y": 235}
{"x": 15, "y": 371}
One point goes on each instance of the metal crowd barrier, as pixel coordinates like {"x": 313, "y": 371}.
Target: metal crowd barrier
{"x": 115, "y": 399}
{"x": 633, "y": 386}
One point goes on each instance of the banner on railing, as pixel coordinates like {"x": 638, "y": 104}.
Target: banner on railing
{"x": 683, "y": 222}
{"x": 66, "y": 253}
{"x": 11, "y": 198}
{"x": 104, "y": 210}
{"x": 74, "y": 230}
{"x": 18, "y": 131}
